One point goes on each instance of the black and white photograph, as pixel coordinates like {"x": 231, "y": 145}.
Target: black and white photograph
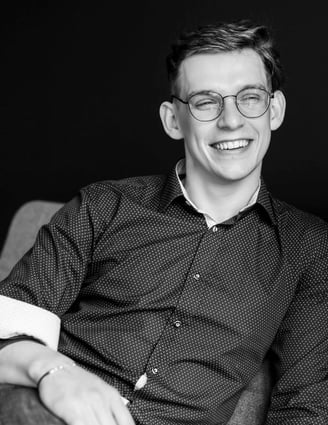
{"x": 164, "y": 215}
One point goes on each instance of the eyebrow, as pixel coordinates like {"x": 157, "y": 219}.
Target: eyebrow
{"x": 247, "y": 86}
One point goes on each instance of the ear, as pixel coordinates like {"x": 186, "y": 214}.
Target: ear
{"x": 277, "y": 109}
{"x": 169, "y": 120}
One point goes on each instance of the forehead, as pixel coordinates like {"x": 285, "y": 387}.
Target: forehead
{"x": 224, "y": 72}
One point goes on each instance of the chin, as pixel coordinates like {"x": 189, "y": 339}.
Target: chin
{"x": 234, "y": 177}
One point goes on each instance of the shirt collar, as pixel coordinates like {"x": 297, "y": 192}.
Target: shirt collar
{"x": 264, "y": 199}
{"x": 174, "y": 189}
{"x": 171, "y": 190}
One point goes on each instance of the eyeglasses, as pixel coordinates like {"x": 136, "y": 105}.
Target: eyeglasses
{"x": 251, "y": 102}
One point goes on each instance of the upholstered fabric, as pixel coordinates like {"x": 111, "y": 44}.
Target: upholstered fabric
{"x": 254, "y": 401}
{"x": 253, "y": 404}
{"x": 22, "y": 231}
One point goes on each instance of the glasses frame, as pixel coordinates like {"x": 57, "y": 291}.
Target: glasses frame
{"x": 186, "y": 102}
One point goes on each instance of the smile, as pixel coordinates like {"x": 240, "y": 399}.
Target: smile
{"x": 230, "y": 145}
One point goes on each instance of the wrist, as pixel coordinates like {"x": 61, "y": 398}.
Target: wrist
{"x": 44, "y": 361}
{"x": 53, "y": 370}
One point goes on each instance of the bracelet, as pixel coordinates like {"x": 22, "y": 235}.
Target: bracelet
{"x": 54, "y": 370}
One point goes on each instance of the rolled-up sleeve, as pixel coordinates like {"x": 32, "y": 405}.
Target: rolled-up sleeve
{"x": 20, "y": 318}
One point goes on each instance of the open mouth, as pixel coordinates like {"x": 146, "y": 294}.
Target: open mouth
{"x": 231, "y": 145}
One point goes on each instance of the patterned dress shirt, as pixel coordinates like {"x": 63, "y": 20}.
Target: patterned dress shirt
{"x": 144, "y": 288}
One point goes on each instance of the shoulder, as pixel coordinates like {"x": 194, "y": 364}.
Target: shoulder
{"x": 98, "y": 203}
{"x": 299, "y": 228}
{"x": 140, "y": 189}
{"x": 297, "y": 217}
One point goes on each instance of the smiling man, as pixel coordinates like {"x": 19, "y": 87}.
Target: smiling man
{"x": 227, "y": 128}
{"x": 161, "y": 296}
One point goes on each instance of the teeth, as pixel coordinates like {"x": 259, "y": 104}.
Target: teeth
{"x": 235, "y": 144}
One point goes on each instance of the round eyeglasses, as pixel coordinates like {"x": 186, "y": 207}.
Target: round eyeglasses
{"x": 251, "y": 102}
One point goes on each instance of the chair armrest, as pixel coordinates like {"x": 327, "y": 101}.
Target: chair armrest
{"x": 253, "y": 404}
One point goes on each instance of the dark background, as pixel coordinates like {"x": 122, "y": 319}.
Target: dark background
{"x": 81, "y": 83}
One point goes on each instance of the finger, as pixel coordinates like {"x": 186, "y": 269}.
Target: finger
{"x": 85, "y": 415}
{"x": 121, "y": 414}
{"x": 83, "y": 420}
{"x": 102, "y": 413}
{"x": 105, "y": 417}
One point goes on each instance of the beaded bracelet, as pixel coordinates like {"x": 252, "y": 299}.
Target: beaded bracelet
{"x": 54, "y": 370}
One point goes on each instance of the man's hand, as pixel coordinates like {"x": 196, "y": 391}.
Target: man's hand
{"x": 76, "y": 396}
{"x": 79, "y": 397}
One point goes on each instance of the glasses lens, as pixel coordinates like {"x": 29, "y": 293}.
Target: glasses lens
{"x": 205, "y": 106}
{"x": 253, "y": 102}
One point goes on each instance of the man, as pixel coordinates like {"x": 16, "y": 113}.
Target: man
{"x": 171, "y": 290}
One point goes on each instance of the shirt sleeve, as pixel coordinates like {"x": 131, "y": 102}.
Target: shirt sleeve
{"x": 20, "y": 318}
{"x": 300, "y": 352}
{"x": 47, "y": 280}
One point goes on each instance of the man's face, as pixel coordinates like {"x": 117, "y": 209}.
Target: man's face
{"x": 231, "y": 147}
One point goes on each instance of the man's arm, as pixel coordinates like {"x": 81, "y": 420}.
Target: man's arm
{"x": 300, "y": 350}
{"x": 50, "y": 277}
{"x": 73, "y": 394}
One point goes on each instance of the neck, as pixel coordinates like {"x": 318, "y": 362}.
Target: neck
{"x": 221, "y": 200}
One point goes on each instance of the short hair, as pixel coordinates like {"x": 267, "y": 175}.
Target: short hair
{"x": 227, "y": 37}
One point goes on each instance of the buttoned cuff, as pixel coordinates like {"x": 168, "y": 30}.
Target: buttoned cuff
{"x": 20, "y": 318}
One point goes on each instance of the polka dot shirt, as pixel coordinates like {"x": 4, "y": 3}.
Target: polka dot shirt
{"x": 144, "y": 287}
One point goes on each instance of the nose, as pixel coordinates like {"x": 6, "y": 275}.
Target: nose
{"x": 230, "y": 117}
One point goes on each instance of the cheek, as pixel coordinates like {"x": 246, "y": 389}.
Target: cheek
{"x": 264, "y": 131}
{"x": 196, "y": 130}
{"x": 189, "y": 129}
{"x": 265, "y": 136}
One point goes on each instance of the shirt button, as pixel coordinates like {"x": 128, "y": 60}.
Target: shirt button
{"x": 154, "y": 370}
{"x": 196, "y": 276}
{"x": 214, "y": 229}
{"x": 177, "y": 323}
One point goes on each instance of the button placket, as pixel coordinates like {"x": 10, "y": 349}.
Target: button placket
{"x": 190, "y": 297}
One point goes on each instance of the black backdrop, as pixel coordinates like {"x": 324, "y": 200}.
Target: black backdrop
{"x": 81, "y": 83}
